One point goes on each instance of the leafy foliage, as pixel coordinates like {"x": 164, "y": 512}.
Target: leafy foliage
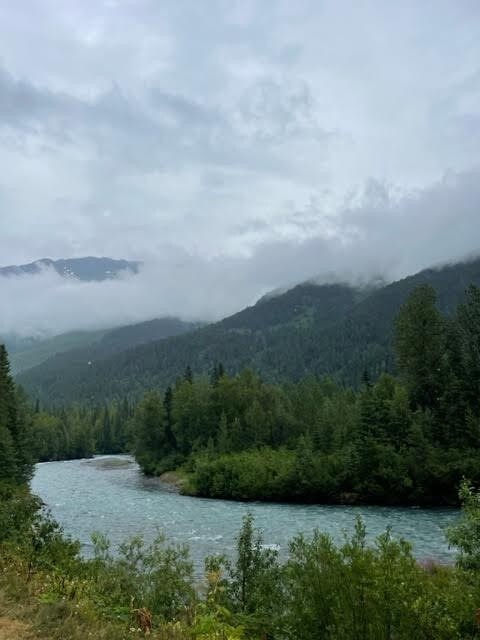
{"x": 321, "y": 592}
{"x": 465, "y": 534}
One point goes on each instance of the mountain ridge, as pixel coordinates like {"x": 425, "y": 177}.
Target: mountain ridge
{"x": 99, "y": 344}
{"x": 87, "y": 269}
{"x": 334, "y": 330}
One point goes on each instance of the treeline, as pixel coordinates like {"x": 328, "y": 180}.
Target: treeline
{"x": 30, "y": 434}
{"x": 81, "y": 432}
{"x": 407, "y": 440}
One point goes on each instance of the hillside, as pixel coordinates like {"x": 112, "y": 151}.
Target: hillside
{"x": 26, "y": 353}
{"x": 87, "y": 269}
{"x": 310, "y": 329}
{"x": 76, "y": 349}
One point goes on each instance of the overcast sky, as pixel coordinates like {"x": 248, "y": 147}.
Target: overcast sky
{"x": 237, "y": 146}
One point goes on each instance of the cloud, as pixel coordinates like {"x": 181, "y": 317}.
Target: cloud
{"x": 430, "y": 226}
{"x": 243, "y": 147}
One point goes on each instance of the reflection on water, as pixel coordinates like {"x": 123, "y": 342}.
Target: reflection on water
{"x": 110, "y": 495}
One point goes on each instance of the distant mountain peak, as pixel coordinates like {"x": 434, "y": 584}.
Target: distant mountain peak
{"x": 87, "y": 269}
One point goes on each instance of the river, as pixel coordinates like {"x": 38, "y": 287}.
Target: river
{"x": 110, "y": 495}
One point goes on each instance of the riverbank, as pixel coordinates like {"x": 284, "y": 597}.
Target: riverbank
{"x": 226, "y": 486}
{"x": 38, "y": 608}
{"x": 319, "y": 591}
{"x": 177, "y": 481}
{"x": 182, "y": 482}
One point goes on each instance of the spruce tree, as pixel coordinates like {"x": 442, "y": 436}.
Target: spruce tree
{"x": 469, "y": 330}
{"x": 420, "y": 343}
{"x": 217, "y": 373}
{"x": 223, "y": 436}
{"x": 8, "y": 461}
{"x": 168, "y": 405}
{"x": 188, "y": 375}
{"x": 24, "y": 436}
{"x": 106, "y": 438}
{"x": 15, "y": 443}
{"x": 8, "y": 406}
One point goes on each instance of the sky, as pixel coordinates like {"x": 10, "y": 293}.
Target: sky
{"x": 234, "y": 147}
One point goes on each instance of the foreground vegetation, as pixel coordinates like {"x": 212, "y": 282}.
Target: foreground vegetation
{"x": 321, "y": 591}
{"x": 405, "y": 440}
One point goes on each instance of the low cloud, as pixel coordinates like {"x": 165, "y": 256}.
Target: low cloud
{"x": 381, "y": 235}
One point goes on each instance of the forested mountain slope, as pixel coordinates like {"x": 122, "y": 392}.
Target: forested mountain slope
{"x": 102, "y": 345}
{"x": 318, "y": 329}
{"x": 26, "y": 353}
{"x": 85, "y": 346}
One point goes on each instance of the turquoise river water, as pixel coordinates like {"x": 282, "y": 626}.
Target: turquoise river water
{"x": 111, "y": 496}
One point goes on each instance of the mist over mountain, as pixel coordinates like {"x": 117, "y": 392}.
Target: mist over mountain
{"x": 311, "y": 329}
{"x": 380, "y": 236}
{"x": 277, "y": 160}
{"x": 91, "y": 346}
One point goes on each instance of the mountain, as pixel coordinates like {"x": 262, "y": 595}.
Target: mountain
{"x": 26, "y": 353}
{"x": 311, "y": 329}
{"x": 73, "y": 349}
{"x": 86, "y": 269}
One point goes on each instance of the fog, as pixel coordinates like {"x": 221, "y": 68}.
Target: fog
{"x": 379, "y": 235}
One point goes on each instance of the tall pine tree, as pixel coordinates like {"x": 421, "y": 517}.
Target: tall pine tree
{"x": 420, "y": 343}
{"x": 16, "y": 464}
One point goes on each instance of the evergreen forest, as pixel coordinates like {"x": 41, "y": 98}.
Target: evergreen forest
{"x": 408, "y": 439}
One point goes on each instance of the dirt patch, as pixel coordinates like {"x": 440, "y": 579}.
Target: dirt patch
{"x": 173, "y": 480}
{"x": 14, "y": 630}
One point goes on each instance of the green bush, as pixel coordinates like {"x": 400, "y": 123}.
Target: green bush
{"x": 158, "y": 576}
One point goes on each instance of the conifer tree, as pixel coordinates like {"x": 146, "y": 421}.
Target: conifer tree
{"x": 167, "y": 405}
{"x": 469, "y": 330}
{"x": 223, "y": 437}
{"x": 8, "y": 406}
{"x": 421, "y": 349}
{"x": 15, "y": 443}
{"x": 188, "y": 375}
